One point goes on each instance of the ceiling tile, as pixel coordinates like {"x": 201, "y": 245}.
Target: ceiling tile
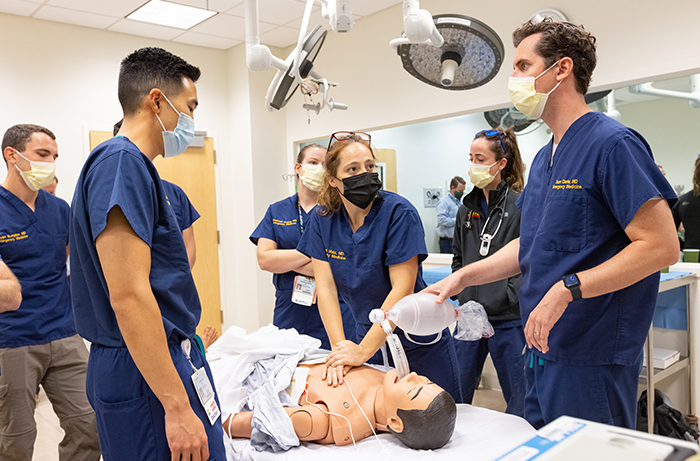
{"x": 222, "y": 6}
{"x": 118, "y": 9}
{"x": 367, "y": 7}
{"x": 281, "y": 37}
{"x": 74, "y": 17}
{"x": 226, "y": 26}
{"x": 18, "y": 7}
{"x": 209, "y": 41}
{"x": 276, "y": 12}
{"x": 314, "y": 20}
{"x": 127, "y": 26}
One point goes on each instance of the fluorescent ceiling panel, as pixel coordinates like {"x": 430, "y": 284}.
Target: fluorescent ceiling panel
{"x": 171, "y": 14}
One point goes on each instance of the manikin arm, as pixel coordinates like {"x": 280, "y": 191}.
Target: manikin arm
{"x": 310, "y": 423}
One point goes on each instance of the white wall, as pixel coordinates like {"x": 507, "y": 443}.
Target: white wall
{"x": 670, "y": 126}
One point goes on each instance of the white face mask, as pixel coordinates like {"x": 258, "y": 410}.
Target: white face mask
{"x": 312, "y": 176}
{"x": 524, "y": 96}
{"x": 480, "y": 175}
{"x": 176, "y": 142}
{"x": 40, "y": 174}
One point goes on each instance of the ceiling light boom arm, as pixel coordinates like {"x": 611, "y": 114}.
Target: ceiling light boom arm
{"x": 693, "y": 97}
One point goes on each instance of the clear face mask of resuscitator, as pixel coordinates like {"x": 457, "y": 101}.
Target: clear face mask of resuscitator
{"x": 524, "y": 96}
{"x": 40, "y": 174}
{"x": 177, "y": 141}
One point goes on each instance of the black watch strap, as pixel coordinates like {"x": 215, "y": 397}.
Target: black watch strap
{"x": 572, "y": 282}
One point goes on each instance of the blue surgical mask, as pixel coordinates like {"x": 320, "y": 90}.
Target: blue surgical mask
{"x": 176, "y": 142}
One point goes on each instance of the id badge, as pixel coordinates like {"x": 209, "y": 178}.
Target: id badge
{"x": 304, "y": 290}
{"x": 206, "y": 394}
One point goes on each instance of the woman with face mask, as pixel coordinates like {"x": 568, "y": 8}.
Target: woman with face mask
{"x": 487, "y": 220}
{"x": 367, "y": 245}
{"x": 277, "y": 236}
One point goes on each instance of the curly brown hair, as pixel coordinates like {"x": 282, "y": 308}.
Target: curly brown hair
{"x": 561, "y": 40}
{"x": 329, "y": 197}
{"x": 513, "y": 173}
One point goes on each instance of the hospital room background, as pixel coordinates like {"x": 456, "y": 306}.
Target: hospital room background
{"x": 61, "y": 71}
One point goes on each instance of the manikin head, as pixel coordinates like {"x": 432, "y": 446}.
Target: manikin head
{"x": 419, "y": 412}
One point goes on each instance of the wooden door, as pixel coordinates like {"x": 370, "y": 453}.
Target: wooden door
{"x": 194, "y": 172}
{"x": 387, "y": 157}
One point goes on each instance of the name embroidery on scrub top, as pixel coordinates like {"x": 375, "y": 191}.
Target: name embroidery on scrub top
{"x": 7, "y": 238}
{"x": 280, "y": 222}
{"x": 332, "y": 254}
{"x": 562, "y": 184}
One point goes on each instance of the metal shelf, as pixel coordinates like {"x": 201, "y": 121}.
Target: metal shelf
{"x": 662, "y": 373}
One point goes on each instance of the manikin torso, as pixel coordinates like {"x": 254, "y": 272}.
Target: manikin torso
{"x": 364, "y": 382}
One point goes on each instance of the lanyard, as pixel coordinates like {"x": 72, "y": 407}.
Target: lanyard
{"x": 301, "y": 219}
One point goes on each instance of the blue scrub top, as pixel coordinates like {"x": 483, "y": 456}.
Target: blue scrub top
{"x": 281, "y": 225}
{"x": 574, "y": 215}
{"x": 185, "y": 212}
{"x": 391, "y": 234}
{"x": 118, "y": 174}
{"x": 33, "y": 245}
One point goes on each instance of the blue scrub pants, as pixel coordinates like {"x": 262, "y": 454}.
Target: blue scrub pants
{"x": 604, "y": 393}
{"x": 130, "y": 418}
{"x": 506, "y": 348}
{"x": 307, "y": 320}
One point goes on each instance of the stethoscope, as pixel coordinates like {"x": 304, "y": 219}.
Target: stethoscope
{"x": 484, "y": 236}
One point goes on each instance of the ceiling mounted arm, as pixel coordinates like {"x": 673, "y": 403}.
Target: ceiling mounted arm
{"x": 418, "y": 27}
{"x": 693, "y": 97}
{"x": 258, "y": 57}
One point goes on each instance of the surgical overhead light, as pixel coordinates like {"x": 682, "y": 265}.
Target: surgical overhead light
{"x": 469, "y": 57}
{"x": 297, "y": 69}
{"x": 693, "y": 97}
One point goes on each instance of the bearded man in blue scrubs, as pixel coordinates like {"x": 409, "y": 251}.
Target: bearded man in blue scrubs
{"x": 38, "y": 342}
{"x": 133, "y": 292}
{"x": 596, "y": 229}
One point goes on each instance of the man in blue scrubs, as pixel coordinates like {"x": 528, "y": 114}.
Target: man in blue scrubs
{"x": 10, "y": 289}
{"x": 38, "y": 342}
{"x": 133, "y": 292}
{"x": 596, "y": 229}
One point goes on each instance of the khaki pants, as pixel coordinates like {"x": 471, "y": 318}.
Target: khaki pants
{"x": 60, "y": 367}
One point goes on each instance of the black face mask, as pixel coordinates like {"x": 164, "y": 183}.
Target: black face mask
{"x": 361, "y": 189}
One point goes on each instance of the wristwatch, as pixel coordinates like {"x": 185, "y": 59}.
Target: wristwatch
{"x": 572, "y": 282}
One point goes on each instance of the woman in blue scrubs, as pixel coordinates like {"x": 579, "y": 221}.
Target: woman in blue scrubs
{"x": 277, "y": 236}
{"x": 367, "y": 246}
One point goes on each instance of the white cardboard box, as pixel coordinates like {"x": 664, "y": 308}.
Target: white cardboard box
{"x": 663, "y": 358}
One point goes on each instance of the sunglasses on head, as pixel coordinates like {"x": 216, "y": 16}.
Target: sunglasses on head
{"x": 345, "y": 135}
{"x": 489, "y": 133}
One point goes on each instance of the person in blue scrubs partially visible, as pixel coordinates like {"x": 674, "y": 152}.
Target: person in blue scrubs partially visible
{"x": 133, "y": 292}
{"x": 38, "y": 341}
{"x": 596, "y": 228}
{"x": 367, "y": 245}
{"x": 486, "y": 222}
{"x": 10, "y": 289}
{"x": 277, "y": 237}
